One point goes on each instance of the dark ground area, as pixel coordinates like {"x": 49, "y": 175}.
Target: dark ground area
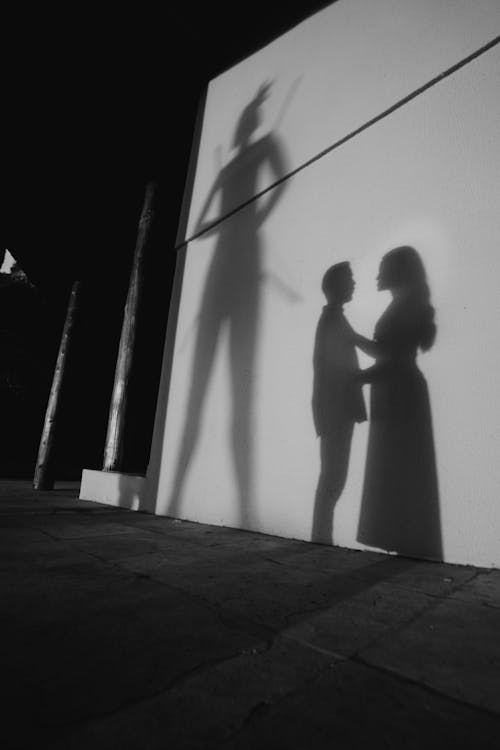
{"x": 128, "y": 631}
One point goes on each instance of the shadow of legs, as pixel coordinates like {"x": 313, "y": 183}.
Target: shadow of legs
{"x": 334, "y": 450}
{"x": 206, "y": 344}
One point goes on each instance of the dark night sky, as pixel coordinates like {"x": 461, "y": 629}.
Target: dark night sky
{"x": 96, "y": 102}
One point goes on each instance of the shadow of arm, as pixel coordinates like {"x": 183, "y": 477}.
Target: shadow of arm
{"x": 204, "y": 226}
{"x": 367, "y": 346}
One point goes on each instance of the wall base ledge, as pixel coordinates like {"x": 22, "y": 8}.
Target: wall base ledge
{"x": 112, "y": 488}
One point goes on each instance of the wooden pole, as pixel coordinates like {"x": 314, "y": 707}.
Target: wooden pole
{"x": 44, "y": 476}
{"x": 113, "y": 451}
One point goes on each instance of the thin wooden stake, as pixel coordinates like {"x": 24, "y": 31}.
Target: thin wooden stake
{"x": 44, "y": 476}
{"x": 113, "y": 451}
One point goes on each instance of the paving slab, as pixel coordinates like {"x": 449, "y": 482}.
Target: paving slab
{"x": 11, "y": 538}
{"x": 24, "y": 554}
{"x": 355, "y": 707}
{"x": 453, "y": 648}
{"x": 359, "y": 619}
{"x": 128, "y": 631}
{"x": 483, "y": 588}
{"x": 98, "y": 662}
{"x": 141, "y": 543}
{"x": 428, "y": 577}
{"x": 64, "y": 590}
{"x": 65, "y": 527}
{"x": 207, "y": 707}
{"x": 277, "y": 595}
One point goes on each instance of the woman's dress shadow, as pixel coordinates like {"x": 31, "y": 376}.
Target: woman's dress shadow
{"x": 400, "y": 500}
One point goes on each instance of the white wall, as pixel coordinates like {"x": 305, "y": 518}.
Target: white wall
{"x": 336, "y": 71}
{"x": 427, "y": 175}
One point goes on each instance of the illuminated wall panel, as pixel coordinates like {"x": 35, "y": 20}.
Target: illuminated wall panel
{"x": 336, "y": 71}
{"x": 234, "y": 440}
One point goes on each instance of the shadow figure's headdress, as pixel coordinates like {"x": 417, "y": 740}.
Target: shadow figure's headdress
{"x": 248, "y": 120}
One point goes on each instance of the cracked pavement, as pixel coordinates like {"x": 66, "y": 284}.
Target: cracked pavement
{"x": 125, "y": 630}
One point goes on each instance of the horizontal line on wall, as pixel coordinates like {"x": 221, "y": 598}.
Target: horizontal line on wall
{"x": 437, "y": 79}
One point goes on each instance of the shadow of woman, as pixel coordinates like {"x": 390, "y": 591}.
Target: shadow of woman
{"x": 400, "y": 501}
{"x": 231, "y": 298}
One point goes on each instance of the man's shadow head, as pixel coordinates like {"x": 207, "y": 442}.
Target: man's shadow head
{"x": 338, "y": 283}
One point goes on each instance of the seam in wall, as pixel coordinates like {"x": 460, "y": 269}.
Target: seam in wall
{"x": 400, "y": 103}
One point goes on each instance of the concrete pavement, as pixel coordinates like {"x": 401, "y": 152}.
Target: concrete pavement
{"x": 128, "y": 631}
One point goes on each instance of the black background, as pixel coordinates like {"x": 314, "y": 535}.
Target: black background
{"x": 97, "y": 102}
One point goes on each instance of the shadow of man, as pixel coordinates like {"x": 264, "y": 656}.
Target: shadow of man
{"x": 231, "y": 298}
{"x": 337, "y": 401}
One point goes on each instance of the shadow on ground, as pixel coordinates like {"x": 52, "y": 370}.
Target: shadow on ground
{"x": 124, "y": 630}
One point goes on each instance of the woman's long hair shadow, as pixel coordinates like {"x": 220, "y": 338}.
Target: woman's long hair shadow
{"x": 400, "y": 501}
{"x": 231, "y": 299}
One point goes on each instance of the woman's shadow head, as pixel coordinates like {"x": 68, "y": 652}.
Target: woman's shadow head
{"x": 402, "y": 272}
{"x": 401, "y": 269}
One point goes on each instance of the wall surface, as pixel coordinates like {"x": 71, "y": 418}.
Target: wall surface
{"x": 335, "y": 72}
{"x": 234, "y": 438}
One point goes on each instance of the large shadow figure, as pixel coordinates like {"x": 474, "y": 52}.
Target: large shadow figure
{"x": 400, "y": 502}
{"x": 337, "y": 401}
{"x": 231, "y": 298}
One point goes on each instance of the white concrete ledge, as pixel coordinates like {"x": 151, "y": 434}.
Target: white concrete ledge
{"x": 112, "y": 488}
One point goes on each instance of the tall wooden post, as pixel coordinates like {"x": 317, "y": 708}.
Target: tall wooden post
{"x": 113, "y": 451}
{"x": 44, "y": 477}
